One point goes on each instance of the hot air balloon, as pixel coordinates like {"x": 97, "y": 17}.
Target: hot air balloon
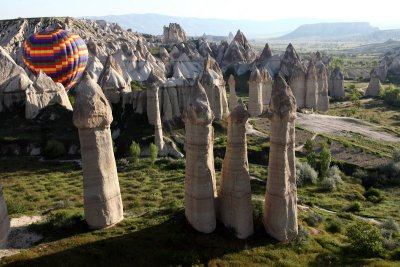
{"x": 58, "y": 53}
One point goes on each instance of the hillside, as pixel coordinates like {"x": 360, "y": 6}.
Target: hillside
{"x": 153, "y": 24}
{"x": 330, "y": 31}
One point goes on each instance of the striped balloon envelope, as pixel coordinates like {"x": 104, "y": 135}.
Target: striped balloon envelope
{"x": 58, "y": 53}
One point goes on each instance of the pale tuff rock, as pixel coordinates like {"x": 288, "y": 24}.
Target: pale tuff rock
{"x": 173, "y": 34}
{"x": 167, "y": 106}
{"x": 374, "y": 84}
{"x": 255, "y": 93}
{"x": 44, "y": 92}
{"x": 312, "y": 87}
{"x": 213, "y": 82}
{"x": 112, "y": 81}
{"x": 164, "y": 56}
{"x": 13, "y": 92}
{"x": 280, "y": 210}
{"x": 234, "y": 196}
{"x": 94, "y": 67}
{"x": 267, "y": 61}
{"x": 230, "y": 37}
{"x": 298, "y": 85}
{"x": 92, "y": 116}
{"x": 389, "y": 65}
{"x": 239, "y": 52}
{"x": 266, "y": 88}
{"x": 102, "y": 38}
{"x": 173, "y": 98}
{"x": 233, "y": 99}
{"x": 336, "y": 84}
{"x": 10, "y": 72}
{"x": 153, "y": 111}
{"x": 204, "y": 48}
{"x": 290, "y": 63}
{"x": 4, "y": 221}
{"x": 322, "y": 93}
{"x": 200, "y": 187}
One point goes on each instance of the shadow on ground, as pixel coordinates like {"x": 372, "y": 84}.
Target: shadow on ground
{"x": 170, "y": 243}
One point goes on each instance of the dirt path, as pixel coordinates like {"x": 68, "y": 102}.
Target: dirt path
{"x": 341, "y": 125}
{"x": 19, "y": 237}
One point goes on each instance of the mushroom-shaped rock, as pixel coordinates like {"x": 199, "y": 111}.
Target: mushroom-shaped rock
{"x": 266, "y": 88}
{"x": 255, "y": 93}
{"x": 200, "y": 186}
{"x": 92, "y": 116}
{"x": 311, "y": 87}
{"x": 322, "y": 78}
{"x": 280, "y": 210}
{"x": 336, "y": 84}
{"x": 374, "y": 84}
{"x": 234, "y": 195}
{"x": 233, "y": 99}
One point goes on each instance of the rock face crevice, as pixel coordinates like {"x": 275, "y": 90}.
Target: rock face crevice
{"x": 234, "y": 196}
{"x": 92, "y": 116}
{"x": 4, "y": 221}
{"x": 200, "y": 186}
{"x": 280, "y": 210}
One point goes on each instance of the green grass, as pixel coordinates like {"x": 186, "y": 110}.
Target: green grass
{"x": 155, "y": 231}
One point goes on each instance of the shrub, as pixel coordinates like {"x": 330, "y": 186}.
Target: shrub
{"x": 153, "y": 153}
{"x": 365, "y": 239}
{"x": 137, "y": 86}
{"x": 391, "y": 96}
{"x": 374, "y": 195}
{"x": 134, "y": 150}
{"x": 396, "y": 155}
{"x": 333, "y": 226}
{"x": 305, "y": 174}
{"x": 325, "y": 159}
{"x": 64, "y": 219}
{"x": 54, "y": 149}
{"x": 354, "y": 207}
{"x": 302, "y": 237}
{"x": 332, "y": 180}
{"x": 15, "y": 206}
{"x": 311, "y": 156}
{"x": 391, "y": 226}
{"x": 313, "y": 219}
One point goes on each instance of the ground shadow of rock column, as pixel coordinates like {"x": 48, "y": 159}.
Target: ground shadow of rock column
{"x": 280, "y": 211}
{"x": 92, "y": 116}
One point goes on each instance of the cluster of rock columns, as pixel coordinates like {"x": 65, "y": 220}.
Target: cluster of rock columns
{"x": 92, "y": 116}
{"x": 200, "y": 186}
{"x": 280, "y": 210}
{"x": 234, "y": 196}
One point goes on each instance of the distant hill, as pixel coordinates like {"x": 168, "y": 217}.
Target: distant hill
{"x": 153, "y": 24}
{"x": 341, "y": 31}
{"x": 330, "y": 31}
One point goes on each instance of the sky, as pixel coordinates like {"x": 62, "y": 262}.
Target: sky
{"x": 381, "y": 13}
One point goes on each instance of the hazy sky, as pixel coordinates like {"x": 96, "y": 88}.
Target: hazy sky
{"x": 382, "y": 12}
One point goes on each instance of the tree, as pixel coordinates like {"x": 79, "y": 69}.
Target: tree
{"x": 325, "y": 159}
{"x": 153, "y": 153}
{"x": 311, "y": 156}
{"x": 134, "y": 150}
{"x": 365, "y": 239}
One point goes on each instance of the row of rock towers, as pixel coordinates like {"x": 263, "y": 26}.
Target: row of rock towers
{"x": 201, "y": 199}
{"x": 232, "y": 204}
{"x": 92, "y": 116}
